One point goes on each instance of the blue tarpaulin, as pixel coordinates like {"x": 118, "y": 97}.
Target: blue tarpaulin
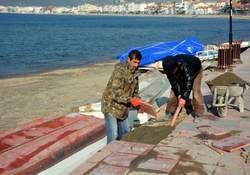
{"x": 157, "y": 51}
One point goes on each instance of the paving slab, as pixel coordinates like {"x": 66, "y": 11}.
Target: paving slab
{"x": 193, "y": 168}
{"x": 229, "y": 171}
{"x": 99, "y": 156}
{"x": 184, "y": 133}
{"x": 203, "y": 154}
{"x": 83, "y": 168}
{"x": 145, "y": 173}
{"x": 227, "y": 124}
{"x": 231, "y": 143}
{"x": 104, "y": 169}
{"x": 212, "y": 130}
{"x": 129, "y": 147}
{"x": 186, "y": 126}
{"x": 179, "y": 142}
{"x": 164, "y": 165}
{"x": 245, "y": 118}
{"x": 120, "y": 159}
{"x": 169, "y": 152}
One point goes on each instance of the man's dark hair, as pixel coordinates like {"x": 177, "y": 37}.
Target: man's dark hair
{"x": 134, "y": 55}
{"x": 169, "y": 64}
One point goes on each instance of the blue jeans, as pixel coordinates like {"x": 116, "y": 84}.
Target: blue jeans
{"x": 116, "y": 128}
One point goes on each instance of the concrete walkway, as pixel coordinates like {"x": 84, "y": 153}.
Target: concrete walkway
{"x": 185, "y": 151}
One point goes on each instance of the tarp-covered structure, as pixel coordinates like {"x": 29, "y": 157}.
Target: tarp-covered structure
{"x": 155, "y": 52}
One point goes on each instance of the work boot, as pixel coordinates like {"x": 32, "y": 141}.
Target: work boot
{"x": 197, "y": 118}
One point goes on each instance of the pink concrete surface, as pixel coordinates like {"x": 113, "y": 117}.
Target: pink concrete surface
{"x": 159, "y": 164}
{"x": 104, "y": 169}
{"x": 231, "y": 143}
{"x": 169, "y": 152}
{"x": 99, "y": 156}
{"x": 83, "y": 169}
{"x": 120, "y": 159}
{"x": 129, "y": 147}
{"x": 213, "y": 130}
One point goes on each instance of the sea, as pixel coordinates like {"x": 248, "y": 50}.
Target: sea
{"x": 37, "y": 43}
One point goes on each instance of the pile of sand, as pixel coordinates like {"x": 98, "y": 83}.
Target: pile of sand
{"x": 226, "y": 79}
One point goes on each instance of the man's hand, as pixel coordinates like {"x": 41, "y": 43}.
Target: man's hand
{"x": 135, "y": 102}
{"x": 181, "y": 102}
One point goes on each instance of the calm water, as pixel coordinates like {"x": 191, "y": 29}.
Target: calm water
{"x": 33, "y": 43}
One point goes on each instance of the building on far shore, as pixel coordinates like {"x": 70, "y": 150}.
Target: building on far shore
{"x": 188, "y": 7}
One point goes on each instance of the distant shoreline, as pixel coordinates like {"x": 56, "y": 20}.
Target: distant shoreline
{"x": 177, "y": 16}
{"x": 247, "y": 17}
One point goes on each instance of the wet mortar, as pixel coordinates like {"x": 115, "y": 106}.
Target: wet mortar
{"x": 153, "y": 133}
{"x": 204, "y": 136}
{"x": 148, "y": 134}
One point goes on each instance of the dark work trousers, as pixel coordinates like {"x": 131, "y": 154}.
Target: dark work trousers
{"x": 197, "y": 101}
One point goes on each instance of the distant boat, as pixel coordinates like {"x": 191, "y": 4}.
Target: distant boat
{"x": 207, "y": 54}
{"x": 244, "y": 46}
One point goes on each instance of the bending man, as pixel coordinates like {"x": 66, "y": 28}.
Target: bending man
{"x": 184, "y": 73}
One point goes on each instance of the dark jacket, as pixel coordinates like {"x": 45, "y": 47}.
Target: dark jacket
{"x": 122, "y": 85}
{"x": 181, "y": 73}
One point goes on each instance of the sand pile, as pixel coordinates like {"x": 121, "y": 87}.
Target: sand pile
{"x": 227, "y": 79}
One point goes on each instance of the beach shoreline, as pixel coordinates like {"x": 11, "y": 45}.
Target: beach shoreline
{"x": 52, "y": 93}
{"x": 234, "y": 16}
{"x": 247, "y": 17}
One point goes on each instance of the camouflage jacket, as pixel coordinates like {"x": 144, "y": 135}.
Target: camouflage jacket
{"x": 122, "y": 85}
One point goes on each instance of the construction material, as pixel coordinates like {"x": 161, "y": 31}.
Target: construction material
{"x": 175, "y": 115}
{"x": 148, "y": 108}
{"x": 227, "y": 89}
{"x": 232, "y": 143}
{"x": 226, "y": 79}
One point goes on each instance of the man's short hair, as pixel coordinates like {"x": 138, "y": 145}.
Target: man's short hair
{"x": 169, "y": 64}
{"x": 135, "y": 55}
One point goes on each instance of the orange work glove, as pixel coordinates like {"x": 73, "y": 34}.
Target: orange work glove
{"x": 135, "y": 102}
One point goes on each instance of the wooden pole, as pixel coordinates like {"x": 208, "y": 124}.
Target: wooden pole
{"x": 175, "y": 115}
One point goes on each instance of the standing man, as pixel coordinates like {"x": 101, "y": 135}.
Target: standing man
{"x": 120, "y": 95}
{"x": 184, "y": 73}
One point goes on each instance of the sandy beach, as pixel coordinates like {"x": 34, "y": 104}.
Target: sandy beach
{"x": 52, "y": 93}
